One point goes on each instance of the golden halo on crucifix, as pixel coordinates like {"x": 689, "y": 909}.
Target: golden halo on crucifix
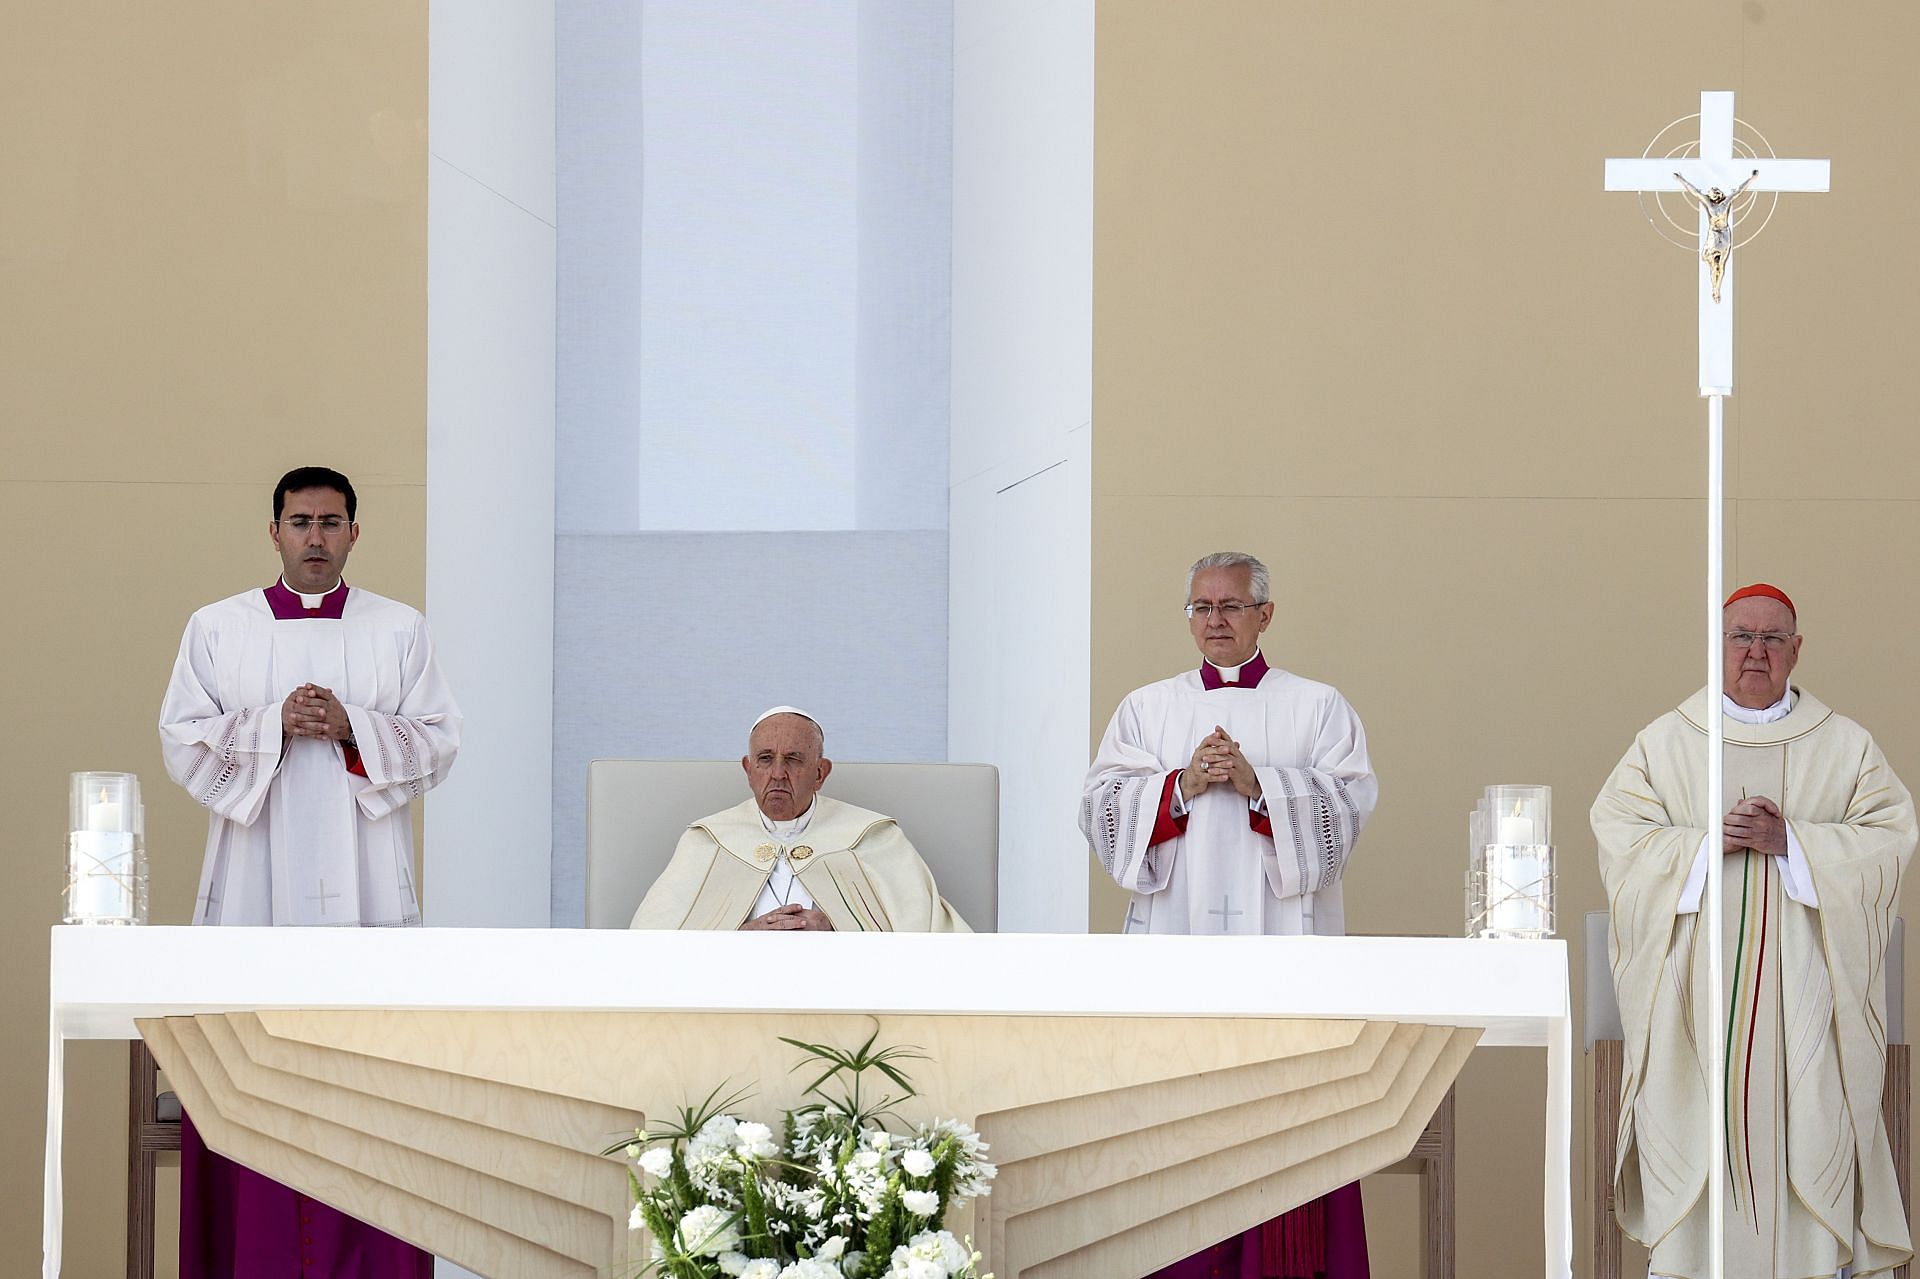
{"x": 1753, "y": 145}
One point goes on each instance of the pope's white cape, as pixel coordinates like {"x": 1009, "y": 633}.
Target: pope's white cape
{"x": 293, "y": 837}
{"x": 856, "y": 866}
{"x": 1309, "y": 753}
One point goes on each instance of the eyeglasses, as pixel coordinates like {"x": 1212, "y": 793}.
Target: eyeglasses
{"x": 1774, "y": 640}
{"x": 328, "y": 524}
{"x": 1227, "y": 612}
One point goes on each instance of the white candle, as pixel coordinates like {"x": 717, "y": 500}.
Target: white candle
{"x": 104, "y": 815}
{"x": 1516, "y": 827}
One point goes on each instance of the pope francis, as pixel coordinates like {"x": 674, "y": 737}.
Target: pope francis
{"x": 792, "y": 859}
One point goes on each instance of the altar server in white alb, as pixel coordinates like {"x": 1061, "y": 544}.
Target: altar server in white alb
{"x": 1227, "y": 800}
{"x": 306, "y": 717}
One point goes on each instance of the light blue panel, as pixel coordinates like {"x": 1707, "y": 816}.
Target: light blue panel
{"x": 906, "y": 251}
{"x": 754, "y": 237}
{"x": 600, "y": 178}
{"x": 668, "y": 645}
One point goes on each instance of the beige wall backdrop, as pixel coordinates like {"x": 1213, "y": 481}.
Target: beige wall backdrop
{"x": 212, "y": 268}
{"x": 1362, "y": 308}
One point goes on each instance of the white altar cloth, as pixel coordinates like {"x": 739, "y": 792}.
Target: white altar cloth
{"x": 102, "y": 979}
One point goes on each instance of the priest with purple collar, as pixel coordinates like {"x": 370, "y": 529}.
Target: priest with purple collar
{"x": 1227, "y": 800}
{"x": 305, "y": 717}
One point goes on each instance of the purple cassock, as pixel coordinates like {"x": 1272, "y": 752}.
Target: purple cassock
{"x": 1322, "y": 1239}
{"x": 1325, "y": 1238}
{"x": 237, "y": 1224}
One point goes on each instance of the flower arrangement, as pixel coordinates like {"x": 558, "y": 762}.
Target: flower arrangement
{"x": 846, "y": 1192}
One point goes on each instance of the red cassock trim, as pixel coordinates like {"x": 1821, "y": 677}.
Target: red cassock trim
{"x": 1165, "y": 825}
{"x": 1261, "y": 823}
{"x": 351, "y": 755}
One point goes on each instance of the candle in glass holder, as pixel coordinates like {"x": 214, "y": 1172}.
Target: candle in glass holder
{"x": 105, "y": 871}
{"x": 1515, "y": 868}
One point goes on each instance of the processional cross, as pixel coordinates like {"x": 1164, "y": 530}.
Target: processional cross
{"x": 1715, "y": 180}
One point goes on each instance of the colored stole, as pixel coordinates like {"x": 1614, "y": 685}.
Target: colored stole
{"x": 1753, "y": 1096}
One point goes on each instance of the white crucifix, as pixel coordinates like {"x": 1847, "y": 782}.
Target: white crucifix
{"x": 1716, "y": 169}
{"x": 1713, "y": 180}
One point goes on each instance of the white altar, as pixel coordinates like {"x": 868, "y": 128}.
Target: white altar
{"x": 1161, "y": 1014}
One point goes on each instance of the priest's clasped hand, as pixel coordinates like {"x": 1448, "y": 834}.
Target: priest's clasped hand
{"x": 1756, "y": 823}
{"x": 1218, "y": 759}
{"x": 790, "y": 918}
{"x": 313, "y": 711}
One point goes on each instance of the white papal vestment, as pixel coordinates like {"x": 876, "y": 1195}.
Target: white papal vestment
{"x": 294, "y": 837}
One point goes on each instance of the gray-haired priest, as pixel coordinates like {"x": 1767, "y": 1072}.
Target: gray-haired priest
{"x": 1817, "y": 834}
{"x": 1227, "y": 800}
{"x": 788, "y": 858}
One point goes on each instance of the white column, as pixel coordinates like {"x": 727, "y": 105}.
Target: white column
{"x": 490, "y": 360}
{"x": 1020, "y": 512}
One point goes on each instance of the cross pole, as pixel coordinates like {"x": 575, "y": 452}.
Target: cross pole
{"x": 1716, "y": 171}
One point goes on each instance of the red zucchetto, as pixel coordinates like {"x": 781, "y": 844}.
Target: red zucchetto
{"x": 1765, "y": 591}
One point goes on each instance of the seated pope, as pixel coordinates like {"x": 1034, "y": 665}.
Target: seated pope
{"x": 791, "y": 859}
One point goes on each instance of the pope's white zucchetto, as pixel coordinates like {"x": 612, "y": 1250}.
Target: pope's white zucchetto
{"x": 787, "y": 710}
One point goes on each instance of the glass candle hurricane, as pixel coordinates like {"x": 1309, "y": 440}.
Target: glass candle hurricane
{"x": 106, "y": 850}
{"x": 1510, "y": 869}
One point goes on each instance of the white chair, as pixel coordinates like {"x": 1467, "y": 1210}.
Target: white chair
{"x": 637, "y": 809}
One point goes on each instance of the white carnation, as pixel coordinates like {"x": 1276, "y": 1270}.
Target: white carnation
{"x": 931, "y": 1255}
{"x": 733, "y": 1263}
{"x": 911, "y": 1267}
{"x": 921, "y": 1203}
{"x": 918, "y": 1163}
{"x": 755, "y": 1140}
{"x": 715, "y": 1136}
{"x": 708, "y": 1231}
{"x": 761, "y": 1268}
{"x": 656, "y": 1161}
{"x": 954, "y": 1255}
{"x": 635, "y": 1221}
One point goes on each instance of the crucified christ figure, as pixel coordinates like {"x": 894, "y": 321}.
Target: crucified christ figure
{"x": 1718, "y": 206}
